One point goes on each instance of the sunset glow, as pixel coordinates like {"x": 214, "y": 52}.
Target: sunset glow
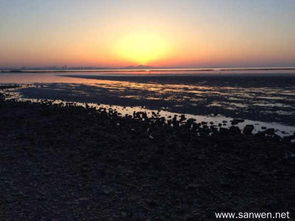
{"x": 142, "y": 48}
{"x": 162, "y": 33}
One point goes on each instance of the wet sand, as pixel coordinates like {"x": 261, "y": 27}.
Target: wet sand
{"x": 267, "y": 97}
{"x": 68, "y": 162}
{"x": 272, "y": 102}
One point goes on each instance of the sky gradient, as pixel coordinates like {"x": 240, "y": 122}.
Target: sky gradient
{"x": 162, "y": 33}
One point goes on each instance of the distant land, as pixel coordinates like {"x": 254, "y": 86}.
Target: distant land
{"x": 131, "y": 68}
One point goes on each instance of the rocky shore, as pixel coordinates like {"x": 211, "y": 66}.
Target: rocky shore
{"x": 64, "y": 162}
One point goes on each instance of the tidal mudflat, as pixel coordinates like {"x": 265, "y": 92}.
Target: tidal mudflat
{"x": 66, "y": 161}
{"x": 264, "y": 100}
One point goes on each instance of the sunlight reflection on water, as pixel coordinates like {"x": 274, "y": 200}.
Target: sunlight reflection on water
{"x": 272, "y": 102}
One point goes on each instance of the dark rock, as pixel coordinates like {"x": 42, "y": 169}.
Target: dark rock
{"x": 248, "y": 129}
{"x": 234, "y": 130}
{"x": 236, "y": 121}
{"x": 270, "y": 131}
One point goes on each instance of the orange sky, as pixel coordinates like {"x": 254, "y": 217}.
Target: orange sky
{"x": 159, "y": 33}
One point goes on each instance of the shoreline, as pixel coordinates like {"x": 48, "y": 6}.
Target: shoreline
{"x": 259, "y": 110}
{"x": 65, "y": 161}
{"x": 216, "y": 120}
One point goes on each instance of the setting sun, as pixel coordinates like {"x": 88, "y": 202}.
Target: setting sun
{"x": 142, "y": 48}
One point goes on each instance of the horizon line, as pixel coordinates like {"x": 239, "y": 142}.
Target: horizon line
{"x": 140, "y": 67}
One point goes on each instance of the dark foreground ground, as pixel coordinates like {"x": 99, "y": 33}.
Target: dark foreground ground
{"x": 70, "y": 163}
